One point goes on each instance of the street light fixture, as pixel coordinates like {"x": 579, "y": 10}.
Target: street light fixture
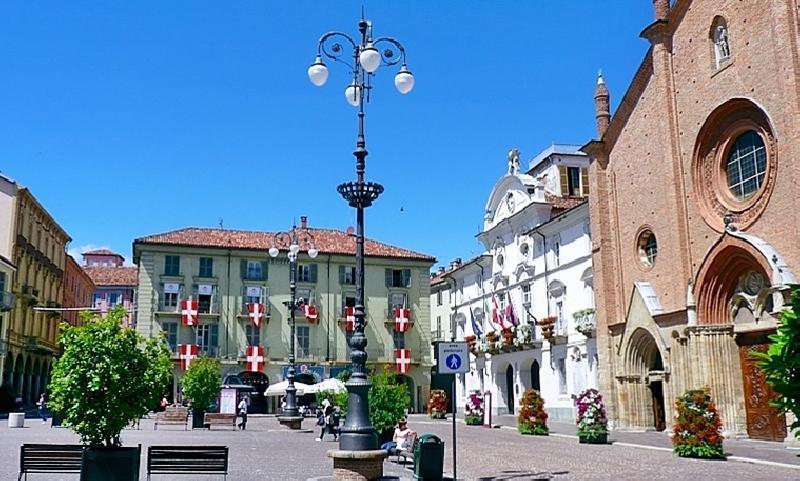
{"x": 358, "y": 434}
{"x": 291, "y": 241}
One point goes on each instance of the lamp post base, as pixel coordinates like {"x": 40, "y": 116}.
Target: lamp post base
{"x": 291, "y": 422}
{"x": 357, "y": 465}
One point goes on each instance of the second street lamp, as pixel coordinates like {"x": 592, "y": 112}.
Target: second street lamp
{"x": 358, "y": 434}
{"x": 293, "y": 241}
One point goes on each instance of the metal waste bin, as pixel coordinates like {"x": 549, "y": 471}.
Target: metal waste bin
{"x": 428, "y": 458}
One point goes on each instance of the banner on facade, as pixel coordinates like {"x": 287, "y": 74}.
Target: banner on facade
{"x": 205, "y": 289}
{"x": 253, "y": 291}
{"x": 171, "y": 287}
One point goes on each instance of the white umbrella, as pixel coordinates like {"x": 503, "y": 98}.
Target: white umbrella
{"x": 329, "y": 385}
{"x": 280, "y": 388}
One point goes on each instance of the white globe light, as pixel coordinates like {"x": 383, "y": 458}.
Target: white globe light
{"x": 294, "y": 249}
{"x": 369, "y": 58}
{"x": 404, "y": 81}
{"x": 273, "y": 251}
{"x": 318, "y": 72}
{"x": 353, "y": 94}
{"x": 312, "y": 253}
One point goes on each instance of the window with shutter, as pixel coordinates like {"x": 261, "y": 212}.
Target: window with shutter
{"x": 347, "y": 275}
{"x": 564, "y": 177}
{"x": 585, "y": 182}
{"x": 574, "y": 181}
{"x": 389, "y": 277}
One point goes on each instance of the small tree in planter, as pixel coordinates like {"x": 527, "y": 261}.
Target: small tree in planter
{"x": 437, "y": 404}
{"x": 592, "y": 420}
{"x": 532, "y": 417}
{"x": 107, "y": 377}
{"x": 473, "y": 411}
{"x": 201, "y": 384}
{"x": 697, "y": 427}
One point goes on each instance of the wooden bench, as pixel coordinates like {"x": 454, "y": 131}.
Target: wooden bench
{"x": 187, "y": 460}
{"x": 172, "y": 415}
{"x": 219, "y": 419}
{"x": 408, "y": 452}
{"x": 49, "y": 458}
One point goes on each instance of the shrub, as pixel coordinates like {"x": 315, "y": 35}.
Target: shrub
{"x": 437, "y": 404}
{"x": 592, "y": 420}
{"x": 781, "y": 363}
{"x": 532, "y": 417}
{"x": 201, "y": 383}
{"x": 473, "y": 411}
{"x": 107, "y": 377}
{"x": 697, "y": 427}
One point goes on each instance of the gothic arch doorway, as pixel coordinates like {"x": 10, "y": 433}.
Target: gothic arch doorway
{"x": 510, "y": 389}
{"x": 645, "y": 362}
{"x": 535, "y": 382}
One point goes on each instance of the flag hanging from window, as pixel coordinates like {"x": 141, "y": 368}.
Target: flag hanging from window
{"x": 511, "y": 316}
{"x": 189, "y": 311}
{"x": 402, "y": 360}
{"x": 255, "y": 311}
{"x": 350, "y": 318}
{"x": 402, "y": 319}
{"x": 187, "y": 353}
{"x": 255, "y": 358}
{"x": 497, "y": 313}
{"x": 310, "y": 311}
{"x": 476, "y": 329}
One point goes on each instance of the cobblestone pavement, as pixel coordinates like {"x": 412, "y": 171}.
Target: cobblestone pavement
{"x": 265, "y": 452}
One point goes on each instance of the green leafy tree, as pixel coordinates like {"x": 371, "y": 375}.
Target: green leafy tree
{"x": 107, "y": 377}
{"x": 781, "y": 362}
{"x": 201, "y": 383}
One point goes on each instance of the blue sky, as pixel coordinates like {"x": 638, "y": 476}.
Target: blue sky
{"x": 131, "y": 118}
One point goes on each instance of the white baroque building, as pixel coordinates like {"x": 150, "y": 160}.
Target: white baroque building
{"x": 537, "y": 265}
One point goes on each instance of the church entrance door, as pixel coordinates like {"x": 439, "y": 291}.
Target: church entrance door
{"x": 763, "y": 421}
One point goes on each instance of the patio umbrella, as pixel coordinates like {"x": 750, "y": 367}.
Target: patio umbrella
{"x": 279, "y": 389}
{"x": 332, "y": 385}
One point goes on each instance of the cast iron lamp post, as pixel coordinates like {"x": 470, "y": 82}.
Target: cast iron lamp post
{"x": 358, "y": 434}
{"x": 291, "y": 240}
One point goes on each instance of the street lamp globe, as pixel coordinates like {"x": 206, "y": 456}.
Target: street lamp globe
{"x": 273, "y": 251}
{"x": 318, "y": 72}
{"x": 294, "y": 249}
{"x": 404, "y": 81}
{"x": 353, "y": 94}
{"x": 369, "y": 58}
{"x": 312, "y": 252}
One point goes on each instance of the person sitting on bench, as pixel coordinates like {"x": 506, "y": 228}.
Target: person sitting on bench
{"x": 399, "y": 441}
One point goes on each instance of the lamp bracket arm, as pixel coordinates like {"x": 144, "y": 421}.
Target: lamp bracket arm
{"x": 332, "y": 49}
{"x": 389, "y": 56}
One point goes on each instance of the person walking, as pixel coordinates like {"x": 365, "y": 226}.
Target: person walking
{"x": 242, "y": 408}
{"x": 41, "y": 407}
{"x": 327, "y": 421}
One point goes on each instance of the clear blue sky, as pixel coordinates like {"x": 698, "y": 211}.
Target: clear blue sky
{"x": 131, "y": 118}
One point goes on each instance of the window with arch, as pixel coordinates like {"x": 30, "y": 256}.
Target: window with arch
{"x": 720, "y": 42}
{"x": 647, "y": 246}
{"x": 746, "y": 165}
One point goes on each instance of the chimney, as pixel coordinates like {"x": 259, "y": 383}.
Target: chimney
{"x": 602, "y": 107}
{"x": 458, "y": 261}
{"x": 441, "y": 269}
{"x": 303, "y": 222}
{"x": 661, "y": 9}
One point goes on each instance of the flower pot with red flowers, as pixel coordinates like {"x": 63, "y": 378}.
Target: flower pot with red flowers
{"x": 698, "y": 428}
{"x": 532, "y": 417}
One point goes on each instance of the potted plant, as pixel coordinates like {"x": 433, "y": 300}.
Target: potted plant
{"x": 473, "y": 411}
{"x": 201, "y": 385}
{"x": 584, "y": 321}
{"x": 437, "y": 404}
{"x": 107, "y": 377}
{"x": 697, "y": 430}
{"x": 508, "y": 338}
{"x": 592, "y": 420}
{"x": 491, "y": 337}
{"x": 548, "y": 325}
{"x": 532, "y": 417}
{"x": 472, "y": 340}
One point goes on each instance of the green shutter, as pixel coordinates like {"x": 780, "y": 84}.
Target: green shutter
{"x": 406, "y": 277}
{"x": 388, "y": 273}
{"x": 263, "y": 270}
{"x": 243, "y": 268}
{"x": 312, "y": 273}
{"x": 341, "y": 275}
{"x": 214, "y": 341}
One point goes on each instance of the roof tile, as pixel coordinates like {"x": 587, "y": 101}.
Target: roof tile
{"x": 113, "y": 276}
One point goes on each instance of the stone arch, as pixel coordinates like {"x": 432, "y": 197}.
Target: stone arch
{"x": 724, "y": 266}
{"x": 536, "y": 382}
{"x": 644, "y": 365}
{"x": 505, "y": 391}
{"x": 509, "y": 389}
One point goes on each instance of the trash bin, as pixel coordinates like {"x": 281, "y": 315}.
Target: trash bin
{"x": 428, "y": 458}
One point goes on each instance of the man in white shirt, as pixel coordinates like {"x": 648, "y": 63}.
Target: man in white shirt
{"x": 242, "y": 410}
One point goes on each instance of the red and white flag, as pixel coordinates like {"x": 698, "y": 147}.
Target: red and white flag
{"x": 187, "y": 353}
{"x": 402, "y": 360}
{"x": 256, "y": 311}
{"x": 189, "y": 311}
{"x": 497, "y": 313}
{"x": 310, "y": 311}
{"x": 350, "y": 318}
{"x": 402, "y": 319}
{"x": 255, "y": 358}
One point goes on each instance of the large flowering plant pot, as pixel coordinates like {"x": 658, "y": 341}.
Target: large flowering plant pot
{"x": 592, "y": 420}
{"x": 697, "y": 426}
{"x": 584, "y": 322}
{"x": 437, "y": 404}
{"x": 532, "y": 418}
{"x": 473, "y": 410}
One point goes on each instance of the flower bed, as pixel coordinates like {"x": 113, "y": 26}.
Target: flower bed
{"x": 532, "y": 417}
{"x": 437, "y": 404}
{"x": 592, "y": 420}
{"x": 473, "y": 411}
{"x": 697, "y": 426}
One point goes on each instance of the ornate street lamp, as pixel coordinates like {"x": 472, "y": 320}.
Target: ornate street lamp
{"x": 291, "y": 241}
{"x": 358, "y": 434}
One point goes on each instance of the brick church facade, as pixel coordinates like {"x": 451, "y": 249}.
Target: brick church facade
{"x": 696, "y": 214}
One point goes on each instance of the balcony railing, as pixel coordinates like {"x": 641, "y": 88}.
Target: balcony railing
{"x": 388, "y": 316}
{"x": 7, "y": 301}
{"x": 267, "y": 310}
